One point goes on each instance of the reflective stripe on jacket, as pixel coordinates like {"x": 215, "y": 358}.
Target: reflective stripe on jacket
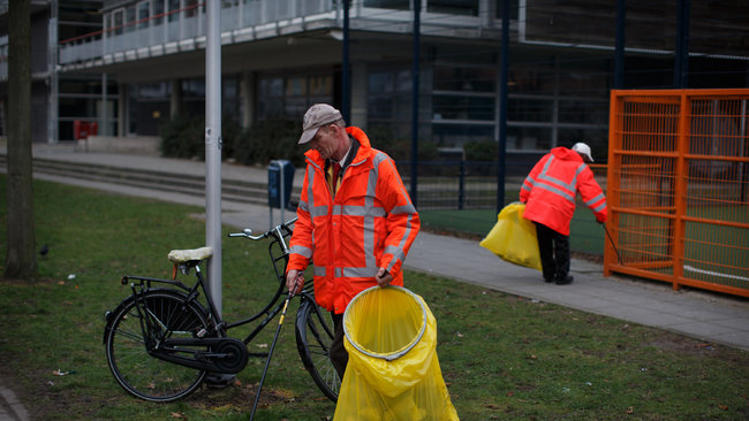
{"x": 371, "y": 223}
{"x": 550, "y": 188}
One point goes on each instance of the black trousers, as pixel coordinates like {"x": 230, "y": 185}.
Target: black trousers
{"x": 338, "y": 354}
{"x": 555, "y": 253}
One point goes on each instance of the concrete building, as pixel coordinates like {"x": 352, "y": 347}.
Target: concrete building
{"x": 131, "y": 64}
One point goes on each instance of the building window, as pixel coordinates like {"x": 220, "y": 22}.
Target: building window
{"x": 388, "y": 4}
{"x": 130, "y": 19}
{"x": 389, "y": 98}
{"x": 118, "y": 21}
{"x": 463, "y": 101}
{"x": 463, "y": 107}
{"x": 455, "y": 134}
{"x": 290, "y": 96}
{"x": 530, "y": 109}
{"x": 523, "y": 138}
{"x": 158, "y": 11}
{"x": 173, "y": 10}
{"x": 514, "y": 9}
{"x": 454, "y": 7}
{"x": 143, "y": 14}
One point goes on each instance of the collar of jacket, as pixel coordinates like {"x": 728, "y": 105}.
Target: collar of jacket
{"x": 361, "y": 155}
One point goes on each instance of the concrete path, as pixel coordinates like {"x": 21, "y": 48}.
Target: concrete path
{"x": 701, "y": 315}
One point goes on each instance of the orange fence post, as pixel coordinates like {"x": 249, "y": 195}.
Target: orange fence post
{"x": 682, "y": 148}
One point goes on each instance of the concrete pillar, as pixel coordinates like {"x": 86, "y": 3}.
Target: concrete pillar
{"x": 359, "y": 94}
{"x": 247, "y": 99}
{"x": 175, "y": 100}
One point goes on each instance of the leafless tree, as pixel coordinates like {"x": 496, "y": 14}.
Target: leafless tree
{"x": 20, "y": 260}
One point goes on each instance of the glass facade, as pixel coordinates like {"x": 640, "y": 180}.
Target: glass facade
{"x": 290, "y": 96}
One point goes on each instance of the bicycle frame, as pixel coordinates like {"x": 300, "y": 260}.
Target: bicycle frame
{"x": 279, "y": 255}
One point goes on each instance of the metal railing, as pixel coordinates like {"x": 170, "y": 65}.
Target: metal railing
{"x": 180, "y": 29}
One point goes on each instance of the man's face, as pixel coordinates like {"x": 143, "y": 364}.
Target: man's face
{"x": 325, "y": 141}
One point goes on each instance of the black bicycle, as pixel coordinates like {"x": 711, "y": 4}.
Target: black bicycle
{"x": 161, "y": 342}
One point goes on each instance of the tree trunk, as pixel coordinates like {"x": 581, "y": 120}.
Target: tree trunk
{"x": 20, "y": 260}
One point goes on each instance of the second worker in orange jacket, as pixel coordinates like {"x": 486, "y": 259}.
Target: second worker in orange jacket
{"x": 549, "y": 194}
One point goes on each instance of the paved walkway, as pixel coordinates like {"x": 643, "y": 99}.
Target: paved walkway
{"x": 705, "y": 316}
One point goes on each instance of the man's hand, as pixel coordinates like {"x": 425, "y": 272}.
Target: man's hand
{"x": 294, "y": 281}
{"x": 383, "y": 278}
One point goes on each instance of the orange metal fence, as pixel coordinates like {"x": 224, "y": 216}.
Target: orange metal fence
{"x": 678, "y": 187}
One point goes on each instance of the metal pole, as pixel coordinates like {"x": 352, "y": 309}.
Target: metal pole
{"x": 461, "y": 184}
{"x": 213, "y": 148}
{"x": 282, "y": 199}
{"x": 621, "y": 17}
{"x": 104, "y": 117}
{"x": 504, "y": 69}
{"x": 681, "y": 60}
{"x": 415, "y": 103}
{"x": 346, "y": 68}
{"x": 53, "y": 135}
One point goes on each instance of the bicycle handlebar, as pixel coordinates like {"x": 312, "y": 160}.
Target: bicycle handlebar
{"x": 247, "y": 232}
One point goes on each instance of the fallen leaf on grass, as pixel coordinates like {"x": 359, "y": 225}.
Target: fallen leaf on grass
{"x": 491, "y": 406}
{"x": 509, "y": 394}
{"x": 262, "y": 345}
{"x": 60, "y": 282}
{"x": 59, "y": 372}
{"x": 723, "y": 407}
{"x": 458, "y": 334}
{"x": 177, "y": 415}
{"x": 630, "y": 410}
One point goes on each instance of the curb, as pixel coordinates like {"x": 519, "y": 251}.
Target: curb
{"x": 11, "y": 408}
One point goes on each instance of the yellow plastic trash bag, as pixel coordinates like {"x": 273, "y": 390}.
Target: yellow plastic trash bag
{"x": 513, "y": 238}
{"x": 393, "y": 372}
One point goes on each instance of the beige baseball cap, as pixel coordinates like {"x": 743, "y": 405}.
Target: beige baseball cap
{"x": 317, "y": 116}
{"x": 583, "y": 149}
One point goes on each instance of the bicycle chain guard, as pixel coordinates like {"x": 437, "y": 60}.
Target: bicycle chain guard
{"x": 234, "y": 355}
{"x": 225, "y": 355}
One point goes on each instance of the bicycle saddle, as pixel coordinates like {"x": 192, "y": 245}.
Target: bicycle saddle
{"x": 184, "y": 256}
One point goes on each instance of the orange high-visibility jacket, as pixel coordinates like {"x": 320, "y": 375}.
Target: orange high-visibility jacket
{"x": 371, "y": 223}
{"x": 550, "y": 188}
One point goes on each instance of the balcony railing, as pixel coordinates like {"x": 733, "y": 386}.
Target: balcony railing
{"x": 184, "y": 29}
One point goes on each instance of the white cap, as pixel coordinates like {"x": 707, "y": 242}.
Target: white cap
{"x": 583, "y": 149}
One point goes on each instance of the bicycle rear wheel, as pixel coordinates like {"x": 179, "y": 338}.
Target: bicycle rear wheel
{"x": 314, "y": 334}
{"x": 139, "y": 373}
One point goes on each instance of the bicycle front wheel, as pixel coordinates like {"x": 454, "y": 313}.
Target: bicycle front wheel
{"x": 314, "y": 334}
{"x": 161, "y": 314}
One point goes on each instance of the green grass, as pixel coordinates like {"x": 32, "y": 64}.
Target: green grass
{"x": 503, "y": 357}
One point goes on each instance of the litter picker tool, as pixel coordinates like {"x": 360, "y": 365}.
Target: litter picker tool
{"x": 270, "y": 352}
{"x": 611, "y": 240}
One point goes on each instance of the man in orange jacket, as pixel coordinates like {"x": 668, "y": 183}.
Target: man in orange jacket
{"x": 549, "y": 194}
{"x": 355, "y": 223}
